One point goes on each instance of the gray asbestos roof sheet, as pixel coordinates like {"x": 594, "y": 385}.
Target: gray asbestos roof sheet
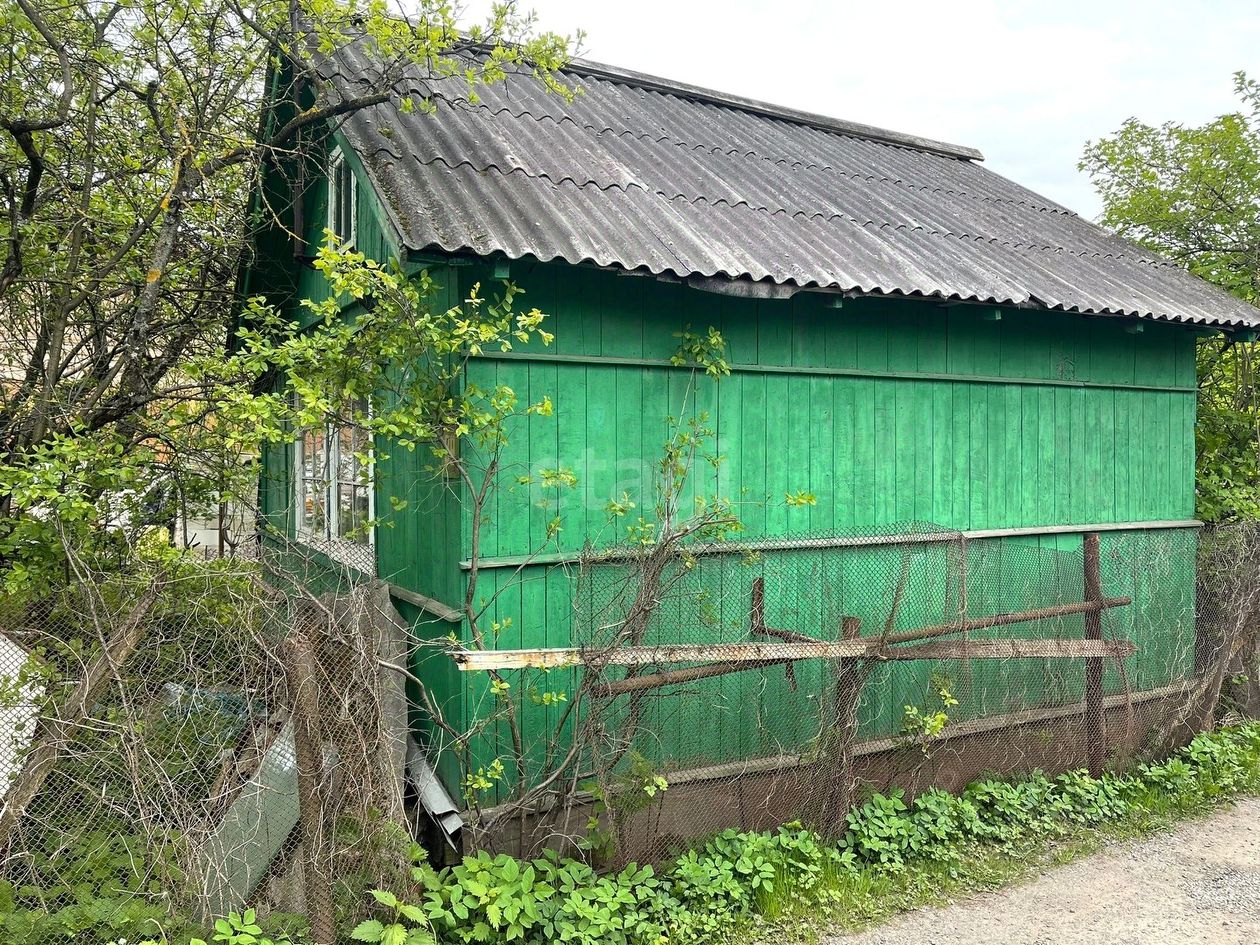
{"x": 639, "y": 173}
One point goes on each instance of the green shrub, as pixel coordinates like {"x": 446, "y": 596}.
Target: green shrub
{"x": 1224, "y": 761}
{"x": 101, "y": 885}
{"x": 736, "y": 876}
{"x": 946, "y": 822}
{"x": 92, "y": 919}
{"x": 731, "y": 879}
{"x": 882, "y": 832}
{"x": 243, "y": 929}
{"x": 1001, "y": 810}
{"x": 801, "y": 857}
{"x": 1087, "y": 800}
{"x": 550, "y": 899}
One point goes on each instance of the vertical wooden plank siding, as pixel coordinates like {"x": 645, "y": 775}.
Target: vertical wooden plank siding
{"x": 945, "y": 416}
{"x": 875, "y": 450}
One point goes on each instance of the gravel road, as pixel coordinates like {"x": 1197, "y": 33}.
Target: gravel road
{"x": 1197, "y": 884}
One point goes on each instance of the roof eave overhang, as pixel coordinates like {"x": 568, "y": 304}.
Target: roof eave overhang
{"x": 765, "y": 289}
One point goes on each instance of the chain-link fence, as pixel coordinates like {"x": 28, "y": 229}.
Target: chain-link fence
{"x": 193, "y": 736}
{"x": 184, "y": 736}
{"x": 917, "y": 657}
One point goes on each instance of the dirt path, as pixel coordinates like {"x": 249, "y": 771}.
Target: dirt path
{"x": 1198, "y": 884}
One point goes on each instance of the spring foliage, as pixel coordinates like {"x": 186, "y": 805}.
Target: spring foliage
{"x": 734, "y": 880}
{"x": 1192, "y": 194}
{"x": 130, "y": 143}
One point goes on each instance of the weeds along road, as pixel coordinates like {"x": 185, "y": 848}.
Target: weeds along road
{"x": 1196, "y": 885}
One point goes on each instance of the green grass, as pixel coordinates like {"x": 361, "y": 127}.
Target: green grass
{"x": 793, "y": 885}
{"x": 853, "y": 901}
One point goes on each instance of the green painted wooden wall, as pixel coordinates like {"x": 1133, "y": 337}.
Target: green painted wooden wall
{"x": 856, "y": 405}
{"x": 889, "y": 412}
{"x": 418, "y": 547}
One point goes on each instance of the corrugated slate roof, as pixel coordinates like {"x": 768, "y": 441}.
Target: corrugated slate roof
{"x": 739, "y": 196}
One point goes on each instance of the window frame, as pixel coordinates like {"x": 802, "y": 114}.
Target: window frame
{"x": 328, "y": 540}
{"x": 337, "y": 164}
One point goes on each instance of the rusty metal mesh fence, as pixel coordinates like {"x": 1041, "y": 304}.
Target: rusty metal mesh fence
{"x": 839, "y": 664}
{"x": 190, "y": 739}
{"x": 172, "y": 734}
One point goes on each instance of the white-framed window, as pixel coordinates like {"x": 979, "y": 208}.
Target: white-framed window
{"x": 335, "y": 501}
{"x": 343, "y": 198}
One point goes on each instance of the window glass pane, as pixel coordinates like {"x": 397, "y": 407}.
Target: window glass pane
{"x": 313, "y": 454}
{"x": 363, "y": 445}
{"x": 352, "y": 512}
{"x": 334, "y": 480}
{"x": 347, "y": 201}
{"x": 347, "y": 464}
{"x": 362, "y": 512}
{"x": 341, "y": 180}
{"x": 314, "y": 507}
{"x": 313, "y": 475}
{"x": 334, "y": 167}
{"x": 353, "y": 447}
{"x": 353, "y": 480}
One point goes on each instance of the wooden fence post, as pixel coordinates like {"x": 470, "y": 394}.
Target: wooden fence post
{"x": 962, "y": 579}
{"x": 303, "y": 686}
{"x": 757, "y": 612}
{"x": 851, "y": 677}
{"x": 1095, "y": 726}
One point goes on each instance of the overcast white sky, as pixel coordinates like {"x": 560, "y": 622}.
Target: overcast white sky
{"x": 1028, "y": 83}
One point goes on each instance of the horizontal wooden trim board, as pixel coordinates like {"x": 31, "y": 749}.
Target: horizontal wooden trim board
{"x": 1002, "y": 620}
{"x": 1056, "y": 648}
{"x": 979, "y": 726}
{"x": 427, "y": 604}
{"x": 852, "y": 628}
{"x": 598, "y": 360}
{"x": 841, "y": 541}
{"x": 770, "y": 764}
{"x": 1053, "y": 648}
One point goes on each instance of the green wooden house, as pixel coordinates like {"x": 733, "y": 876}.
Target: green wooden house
{"x": 912, "y": 339}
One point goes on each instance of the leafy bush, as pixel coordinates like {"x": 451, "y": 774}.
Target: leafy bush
{"x": 91, "y": 919}
{"x": 734, "y": 874}
{"x": 734, "y": 877}
{"x": 1004, "y": 809}
{"x": 102, "y": 883}
{"x": 550, "y": 899}
{"x": 1087, "y": 800}
{"x": 405, "y": 926}
{"x": 1174, "y": 777}
{"x": 242, "y": 929}
{"x": 945, "y": 820}
{"x": 881, "y": 831}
